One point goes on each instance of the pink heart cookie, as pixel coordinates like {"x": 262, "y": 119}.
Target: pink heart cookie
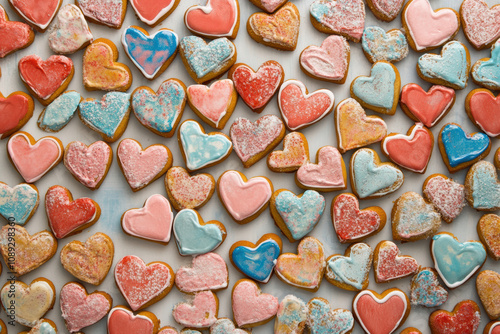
{"x": 153, "y": 12}
{"x": 109, "y": 13}
{"x": 152, "y": 222}
{"x": 483, "y": 109}
{"x": 481, "y": 23}
{"x": 295, "y": 153}
{"x": 389, "y": 265}
{"x": 250, "y": 305}
{"x": 71, "y": 32}
{"x": 447, "y": 195}
{"x": 201, "y": 312}
{"x": 207, "y": 272}
{"x": 328, "y": 174}
{"x": 218, "y": 18}
{"x": 122, "y": 320}
{"x": 385, "y": 10}
{"x": 188, "y": 192}
{"x": 35, "y": 14}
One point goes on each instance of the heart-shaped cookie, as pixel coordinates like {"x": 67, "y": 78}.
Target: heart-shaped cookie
{"x": 295, "y": 153}
{"x": 188, "y": 192}
{"x": 225, "y": 326}
{"x": 300, "y": 109}
{"x": 304, "y": 269}
{"x": 15, "y": 111}
{"x": 194, "y": 236}
{"x": 207, "y": 272}
{"x": 29, "y": 251}
{"x": 41, "y": 326}
{"x": 143, "y": 285}
{"x": 483, "y": 109}
{"x": 268, "y": 5}
{"x": 201, "y": 312}
{"x": 354, "y": 128}
{"x": 279, "y": 30}
{"x": 59, "y": 112}
{"x": 488, "y": 228}
{"x": 94, "y": 257}
{"x": 151, "y": 222}
{"x": 153, "y": 12}
{"x": 23, "y": 150}
{"x": 292, "y": 316}
{"x": 350, "y": 272}
{"x": 70, "y": 32}
{"x": 100, "y": 69}
{"x": 485, "y": 71}
{"x": 488, "y": 289}
{"x": 172, "y": 330}
{"x": 381, "y": 313}
{"x": 413, "y": 219}
{"x": 80, "y": 309}
{"x": 109, "y": 13}
{"x": 200, "y": 149}
{"x": 379, "y": 45}
{"x": 482, "y": 187}
{"x": 465, "y": 318}
{"x": 257, "y": 88}
{"x": 19, "y": 203}
{"x": 37, "y": 16}
{"x": 385, "y": 10}
{"x": 352, "y": 224}
{"x": 121, "y": 320}
{"x": 244, "y": 199}
{"x": 256, "y": 260}
{"x": 371, "y": 178}
{"x": 250, "y": 305}
{"x": 389, "y": 265}
{"x": 328, "y": 174}
{"x": 340, "y": 17}
{"x": 426, "y": 289}
{"x": 456, "y": 262}
{"x": 108, "y": 116}
{"x": 218, "y": 18}
{"x": 46, "y": 79}
{"x": 481, "y": 24}
{"x": 17, "y": 35}
{"x": 434, "y": 68}
{"x": 492, "y": 327}
{"x": 447, "y": 196}
{"x": 252, "y": 141}
{"x": 426, "y": 107}
{"x": 322, "y": 319}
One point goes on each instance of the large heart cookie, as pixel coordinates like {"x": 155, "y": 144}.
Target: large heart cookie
{"x": 388, "y": 265}
{"x": 109, "y": 13}
{"x": 351, "y": 271}
{"x": 292, "y": 316}
{"x": 483, "y": 109}
{"x": 465, "y": 318}
{"x": 201, "y": 312}
{"x": 250, "y": 305}
{"x": 295, "y": 153}
{"x": 483, "y": 187}
{"x": 17, "y": 35}
{"x": 485, "y": 71}
{"x": 19, "y": 203}
{"x": 59, "y": 112}
{"x": 488, "y": 228}
{"x": 481, "y": 23}
{"x": 379, "y": 45}
{"x": 328, "y": 174}
{"x": 121, "y": 320}
{"x": 153, "y": 12}
{"x": 38, "y": 16}
{"x": 188, "y": 192}
{"x": 426, "y": 289}
{"x": 15, "y": 111}
{"x": 323, "y": 319}
{"x": 71, "y": 32}
{"x": 447, "y": 196}
{"x": 207, "y": 272}
{"x": 218, "y": 18}
{"x": 488, "y": 289}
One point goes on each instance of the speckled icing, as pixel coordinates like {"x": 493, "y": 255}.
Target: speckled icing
{"x": 250, "y": 305}
{"x": 461, "y": 147}
{"x": 207, "y": 272}
{"x": 225, "y": 326}
{"x": 201, "y": 312}
{"x": 481, "y": 24}
{"x": 426, "y": 289}
{"x": 59, "y": 112}
{"x": 18, "y": 203}
{"x": 271, "y": 5}
{"x": 381, "y": 45}
{"x": 378, "y": 89}
{"x": 327, "y": 173}
{"x": 188, "y": 191}
{"x": 214, "y": 101}
{"x": 43, "y": 327}
{"x": 15, "y": 35}
{"x": 389, "y": 265}
{"x": 484, "y": 186}
{"x": 88, "y": 163}
{"x": 488, "y": 228}
{"x": 353, "y": 269}
{"x": 329, "y": 61}
{"x": 218, "y": 18}
{"x": 70, "y": 32}
{"x": 257, "y": 262}
{"x": 294, "y": 152}
{"x": 487, "y": 72}
{"x": 291, "y": 317}
{"x": 346, "y": 17}
{"x": 447, "y": 196}
{"x": 388, "y": 8}
{"x": 108, "y": 12}
{"x": 323, "y": 320}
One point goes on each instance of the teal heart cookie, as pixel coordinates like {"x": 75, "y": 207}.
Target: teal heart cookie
{"x": 59, "y": 112}
{"x": 322, "y": 319}
{"x": 352, "y": 269}
{"x": 258, "y": 262}
{"x": 18, "y": 204}
{"x": 378, "y": 45}
{"x": 486, "y": 73}
{"x": 426, "y": 289}
{"x": 483, "y": 187}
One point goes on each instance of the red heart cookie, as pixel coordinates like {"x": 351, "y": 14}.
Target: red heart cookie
{"x": 15, "y": 35}
{"x": 488, "y": 229}
{"x": 153, "y": 12}
{"x": 67, "y": 216}
{"x": 481, "y": 23}
{"x": 295, "y": 153}
{"x": 15, "y": 111}
{"x": 122, "y": 320}
{"x": 483, "y": 109}
{"x": 250, "y": 305}
{"x": 36, "y": 14}
{"x": 464, "y": 319}
{"x": 327, "y": 174}
{"x": 207, "y": 272}
{"x": 201, "y": 312}
{"x": 188, "y": 192}
{"x": 389, "y": 265}
{"x": 447, "y": 195}
{"x": 218, "y": 18}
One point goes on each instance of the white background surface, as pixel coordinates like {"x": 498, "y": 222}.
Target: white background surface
{"x": 115, "y": 196}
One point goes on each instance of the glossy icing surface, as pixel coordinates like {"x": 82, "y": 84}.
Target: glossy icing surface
{"x": 217, "y": 18}
{"x": 329, "y": 61}
{"x": 213, "y": 101}
{"x": 485, "y": 109}
{"x": 121, "y": 320}
{"x": 60, "y": 111}
{"x": 377, "y": 90}
{"x": 461, "y": 147}
{"x": 12, "y": 110}
{"x": 38, "y": 14}
{"x": 486, "y": 72}
{"x": 152, "y": 11}
{"x": 327, "y": 173}
{"x": 353, "y": 269}
{"x": 257, "y": 262}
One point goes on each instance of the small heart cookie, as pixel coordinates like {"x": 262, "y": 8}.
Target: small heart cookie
{"x": 108, "y": 13}
{"x": 447, "y": 196}
{"x": 200, "y": 312}
{"x": 225, "y": 326}
{"x": 483, "y": 109}
{"x": 94, "y": 258}
{"x": 100, "y": 69}
{"x": 59, "y": 112}
{"x": 19, "y": 203}
{"x": 152, "y": 12}
{"x": 207, "y": 272}
{"x": 279, "y": 30}
{"x": 389, "y": 265}
{"x": 350, "y": 272}
{"x": 121, "y": 320}
{"x": 218, "y": 18}
{"x": 70, "y": 32}
{"x": 304, "y": 269}
{"x": 251, "y": 307}
{"x": 17, "y": 35}
{"x": 292, "y": 316}
{"x": 188, "y": 192}
{"x": 15, "y": 111}
{"x": 41, "y": 326}
{"x": 327, "y": 174}
{"x": 322, "y": 319}
{"x": 488, "y": 228}
{"x": 252, "y": 141}
{"x": 385, "y": 10}
{"x": 37, "y": 16}
{"x": 295, "y": 153}
{"x": 485, "y": 71}
{"x": 379, "y": 45}
{"x": 480, "y": 23}
{"x": 482, "y": 187}
{"x": 354, "y": 128}
{"x": 488, "y": 289}
{"x": 464, "y": 319}
{"x": 426, "y": 289}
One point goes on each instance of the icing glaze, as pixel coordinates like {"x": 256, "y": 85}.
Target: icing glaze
{"x": 294, "y": 154}
{"x": 456, "y": 262}
{"x": 15, "y": 35}
{"x": 300, "y": 109}
{"x": 243, "y": 199}
{"x": 45, "y": 77}
{"x": 488, "y": 229}
{"x": 327, "y": 173}
{"x": 88, "y": 164}
{"x": 460, "y": 147}
{"x": 389, "y": 265}
{"x": 486, "y": 72}
{"x": 212, "y": 102}
{"x": 322, "y": 319}
{"x": 250, "y": 305}
{"x": 150, "y": 52}
{"x": 291, "y": 317}
{"x": 484, "y": 108}
{"x": 465, "y": 318}
{"x": 377, "y": 90}
{"x": 329, "y": 61}
{"x": 46, "y": 152}
{"x": 352, "y": 269}
{"x": 140, "y": 283}
{"x": 192, "y": 237}
{"x": 346, "y": 17}
{"x": 188, "y": 191}
{"x": 257, "y": 262}
{"x": 495, "y": 329}
{"x": 121, "y": 320}
{"x": 18, "y": 203}
{"x": 43, "y": 328}
{"x": 108, "y": 12}
{"x": 152, "y": 11}
{"x": 447, "y": 196}
{"x": 388, "y": 8}
{"x": 201, "y": 149}
{"x": 426, "y": 289}
{"x": 380, "y": 45}
{"x": 36, "y": 14}
{"x": 428, "y": 28}
{"x": 70, "y": 32}
{"x": 13, "y": 110}
{"x": 106, "y": 115}
{"x": 218, "y": 18}
{"x": 199, "y": 313}
{"x": 59, "y": 112}
{"x": 271, "y": 5}
{"x": 224, "y": 326}
{"x": 300, "y": 214}
{"x": 151, "y": 222}
{"x": 371, "y": 179}
{"x": 481, "y": 24}
{"x": 171, "y": 330}
{"x": 207, "y": 272}
{"x": 484, "y": 186}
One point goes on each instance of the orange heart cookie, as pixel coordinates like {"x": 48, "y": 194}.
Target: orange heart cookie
{"x": 488, "y": 289}
{"x": 295, "y": 153}
{"x": 186, "y": 191}
{"x": 488, "y": 230}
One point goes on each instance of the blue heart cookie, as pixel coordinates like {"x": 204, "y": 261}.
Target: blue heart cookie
{"x": 17, "y": 204}
{"x": 379, "y": 45}
{"x": 257, "y": 263}
{"x": 322, "y": 319}
{"x": 487, "y": 72}
{"x": 426, "y": 289}
{"x": 483, "y": 187}
{"x": 352, "y": 269}
{"x": 59, "y": 112}
{"x": 460, "y": 148}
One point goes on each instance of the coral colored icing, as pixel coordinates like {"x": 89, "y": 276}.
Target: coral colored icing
{"x": 225, "y": 326}
{"x": 389, "y": 8}
{"x": 217, "y": 18}
{"x": 139, "y": 166}
{"x": 243, "y": 199}
{"x": 292, "y": 315}
{"x": 45, "y": 77}
{"x": 484, "y": 186}
{"x": 447, "y": 196}
{"x": 121, "y": 320}
{"x": 35, "y": 12}
{"x": 15, "y": 35}
{"x": 346, "y": 17}
{"x": 485, "y": 110}
{"x": 487, "y": 72}
{"x": 294, "y": 152}
{"x": 70, "y": 32}
{"x": 212, "y": 102}
{"x": 80, "y": 310}
{"x": 152, "y": 222}
{"x": 327, "y": 173}
{"x": 152, "y": 11}
{"x": 140, "y": 283}
{"x": 59, "y": 112}
{"x": 323, "y": 320}
{"x": 300, "y": 109}
{"x": 149, "y": 52}
{"x": 46, "y": 152}
{"x": 108, "y": 12}
{"x": 188, "y": 191}
{"x": 426, "y": 289}
{"x": 200, "y": 313}
{"x": 378, "y": 89}
{"x": 351, "y": 223}
{"x": 162, "y": 110}
{"x": 495, "y": 329}
{"x": 64, "y": 215}
{"x": 100, "y": 71}
{"x": 465, "y": 319}
{"x": 250, "y": 306}
{"x": 390, "y": 265}
{"x": 489, "y": 229}
{"x": 428, "y": 107}
{"x": 351, "y": 270}
{"x": 207, "y": 272}
{"x": 257, "y": 262}
{"x": 460, "y": 147}
{"x": 12, "y": 110}
{"x": 18, "y": 202}
{"x": 329, "y": 61}
{"x": 88, "y": 163}
{"x": 415, "y": 217}
{"x": 379, "y": 45}
{"x": 481, "y": 24}
{"x": 257, "y": 88}
{"x": 250, "y": 139}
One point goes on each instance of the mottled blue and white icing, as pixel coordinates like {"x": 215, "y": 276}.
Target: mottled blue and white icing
{"x": 487, "y": 72}
{"x": 292, "y": 314}
{"x": 484, "y": 186}
{"x": 461, "y": 148}
{"x": 17, "y": 203}
{"x": 456, "y": 262}
{"x": 351, "y": 270}
{"x": 323, "y": 320}
{"x": 377, "y": 90}
{"x": 257, "y": 262}
{"x": 200, "y": 148}
{"x": 379, "y": 45}
{"x": 426, "y": 290}
{"x": 59, "y": 112}
{"x": 300, "y": 215}
{"x": 46, "y": 328}
{"x": 149, "y": 53}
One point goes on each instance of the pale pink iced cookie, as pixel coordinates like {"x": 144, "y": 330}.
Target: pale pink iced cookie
{"x": 107, "y": 12}
{"x": 483, "y": 109}
{"x": 251, "y": 307}
{"x": 481, "y": 24}
{"x": 151, "y": 222}
{"x": 122, "y": 320}
{"x": 142, "y": 166}
{"x": 71, "y": 32}
{"x": 207, "y": 272}
{"x": 37, "y": 16}
{"x": 200, "y": 312}
{"x": 300, "y": 109}
{"x": 269, "y": 5}
{"x": 385, "y": 10}
{"x": 389, "y": 265}
{"x": 295, "y": 153}
{"x": 153, "y": 12}
{"x": 447, "y": 196}
{"x": 217, "y": 18}
{"x": 186, "y": 191}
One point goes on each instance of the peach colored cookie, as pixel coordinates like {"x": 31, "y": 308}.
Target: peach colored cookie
{"x": 447, "y": 196}
{"x": 480, "y": 23}
{"x": 42, "y": 326}
{"x": 201, "y": 312}
{"x": 16, "y": 35}
{"x": 380, "y": 45}
{"x": 217, "y": 18}
{"x": 482, "y": 187}
{"x": 188, "y": 192}
{"x": 389, "y": 265}
{"x": 292, "y": 316}
{"x": 121, "y": 320}
{"x": 322, "y": 318}
{"x": 108, "y": 13}
{"x": 252, "y": 307}
{"x": 15, "y": 111}
{"x": 385, "y": 10}
{"x": 485, "y": 71}
{"x": 464, "y": 319}
{"x": 207, "y": 272}
{"x": 19, "y": 203}
{"x": 70, "y": 32}
{"x": 225, "y": 325}
{"x": 295, "y": 153}
{"x": 59, "y": 112}
{"x": 482, "y": 107}
{"x": 38, "y": 17}
{"x": 426, "y": 290}
{"x": 488, "y": 290}
{"x": 153, "y": 12}
{"x": 327, "y": 174}
{"x": 488, "y": 228}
